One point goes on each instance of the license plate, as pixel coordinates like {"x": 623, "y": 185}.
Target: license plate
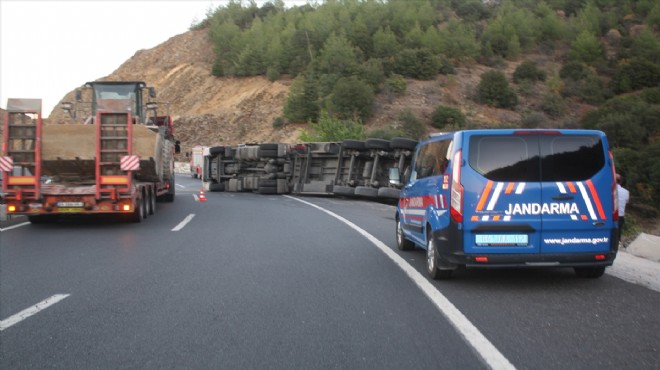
{"x": 70, "y": 204}
{"x": 69, "y": 210}
{"x": 502, "y": 240}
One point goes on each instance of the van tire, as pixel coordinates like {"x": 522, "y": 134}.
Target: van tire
{"x": 433, "y": 261}
{"x": 401, "y": 242}
{"x": 590, "y": 272}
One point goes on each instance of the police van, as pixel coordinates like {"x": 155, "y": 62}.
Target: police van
{"x": 511, "y": 198}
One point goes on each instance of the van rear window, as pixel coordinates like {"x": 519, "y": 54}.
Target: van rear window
{"x": 536, "y": 157}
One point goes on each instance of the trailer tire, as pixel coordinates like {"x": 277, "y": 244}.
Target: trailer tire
{"x": 267, "y": 190}
{"x": 389, "y": 193}
{"x": 366, "y": 191}
{"x": 403, "y": 143}
{"x": 152, "y": 202}
{"x": 217, "y": 150}
{"x": 377, "y": 144}
{"x": 217, "y": 187}
{"x": 343, "y": 190}
{"x": 42, "y": 219}
{"x": 353, "y": 144}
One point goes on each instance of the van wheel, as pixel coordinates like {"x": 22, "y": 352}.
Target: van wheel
{"x": 590, "y": 272}
{"x": 401, "y": 241}
{"x": 433, "y": 261}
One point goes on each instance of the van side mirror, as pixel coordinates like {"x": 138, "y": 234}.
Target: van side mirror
{"x": 395, "y": 177}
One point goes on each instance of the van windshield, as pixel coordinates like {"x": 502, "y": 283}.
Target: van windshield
{"x": 525, "y": 158}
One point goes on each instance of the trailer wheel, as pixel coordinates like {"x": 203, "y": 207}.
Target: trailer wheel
{"x": 138, "y": 213}
{"x": 151, "y": 202}
{"x": 343, "y": 190}
{"x": 377, "y": 144}
{"x": 389, "y": 193}
{"x": 403, "y": 143}
{"x": 353, "y": 144}
{"x": 366, "y": 191}
{"x": 42, "y": 219}
{"x": 213, "y": 187}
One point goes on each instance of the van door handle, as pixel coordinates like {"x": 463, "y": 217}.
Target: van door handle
{"x": 562, "y": 197}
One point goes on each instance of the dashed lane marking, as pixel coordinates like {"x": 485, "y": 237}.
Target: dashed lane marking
{"x": 183, "y": 223}
{"x": 15, "y": 319}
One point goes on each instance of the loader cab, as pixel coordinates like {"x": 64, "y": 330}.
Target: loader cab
{"x": 121, "y": 96}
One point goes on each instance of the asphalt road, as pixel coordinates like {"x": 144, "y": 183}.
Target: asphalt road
{"x": 255, "y": 281}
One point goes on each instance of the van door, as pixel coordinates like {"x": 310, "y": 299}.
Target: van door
{"x": 425, "y": 197}
{"x": 577, "y": 193}
{"x": 501, "y": 191}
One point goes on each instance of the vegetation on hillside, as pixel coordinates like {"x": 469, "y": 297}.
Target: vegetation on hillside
{"x": 343, "y": 53}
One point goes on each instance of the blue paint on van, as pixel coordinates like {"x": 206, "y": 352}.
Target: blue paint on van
{"x": 511, "y": 198}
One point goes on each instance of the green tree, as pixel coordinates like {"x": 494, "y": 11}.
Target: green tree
{"x": 494, "y": 90}
{"x": 444, "y": 116}
{"x": 417, "y": 63}
{"x": 528, "y": 70}
{"x": 587, "y": 49}
{"x": 352, "y": 98}
{"x": 635, "y": 74}
{"x": 301, "y": 104}
{"x": 339, "y": 56}
{"x": 333, "y": 129}
{"x": 459, "y": 41}
{"x": 385, "y": 43}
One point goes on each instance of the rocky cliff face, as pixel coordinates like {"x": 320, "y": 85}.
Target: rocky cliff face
{"x": 206, "y": 110}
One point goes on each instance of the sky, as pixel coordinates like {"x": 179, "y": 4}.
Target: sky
{"x": 50, "y": 47}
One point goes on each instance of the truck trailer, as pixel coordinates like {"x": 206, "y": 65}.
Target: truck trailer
{"x": 118, "y": 161}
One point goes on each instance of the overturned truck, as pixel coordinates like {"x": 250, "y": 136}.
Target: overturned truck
{"x": 349, "y": 168}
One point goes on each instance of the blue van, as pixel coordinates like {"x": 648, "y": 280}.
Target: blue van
{"x": 511, "y": 198}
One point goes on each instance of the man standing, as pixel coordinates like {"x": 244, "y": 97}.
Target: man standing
{"x": 624, "y": 195}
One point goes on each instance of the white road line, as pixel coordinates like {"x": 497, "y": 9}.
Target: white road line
{"x": 15, "y": 319}
{"x": 14, "y": 226}
{"x": 180, "y": 186}
{"x": 489, "y": 354}
{"x": 196, "y": 197}
{"x": 183, "y": 223}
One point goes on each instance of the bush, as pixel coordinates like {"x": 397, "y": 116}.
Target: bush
{"x": 494, "y": 90}
{"x": 447, "y": 116}
{"x": 396, "y": 84}
{"x": 411, "y": 125}
{"x": 417, "y": 63}
{"x": 278, "y": 122}
{"x": 636, "y": 74}
{"x": 352, "y": 98}
{"x": 386, "y": 133}
{"x": 528, "y": 71}
{"x": 333, "y": 129}
{"x": 574, "y": 70}
{"x": 553, "y": 105}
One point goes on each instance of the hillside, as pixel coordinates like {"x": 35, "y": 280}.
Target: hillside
{"x": 209, "y": 110}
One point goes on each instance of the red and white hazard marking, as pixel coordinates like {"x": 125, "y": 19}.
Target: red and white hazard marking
{"x": 6, "y": 164}
{"x": 129, "y": 163}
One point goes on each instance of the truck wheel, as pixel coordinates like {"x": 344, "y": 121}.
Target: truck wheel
{"x": 433, "y": 260}
{"x": 213, "y": 187}
{"x": 343, "y": 190}
{"x": 590, "y": 272}
{"x": 403, "y": 143}
{"x": 169, "y": 196}
{"x": 401, "y": 241}
{"x": 353, "y": 144}
{"x": 138, "y": 213}
{"x": 42, "y": 219}
{"x": 389, "y": 193}
{"x": 377, "y": 144}
{"x": 366, "y": 191}
{"x": 151, "y": 202}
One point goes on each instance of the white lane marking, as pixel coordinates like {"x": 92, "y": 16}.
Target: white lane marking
{"x": 490, "y": 355}
{"x": 183, "y": 223}
{"x": 14, "y": 226}
{"x": 180, "y": 186}
{"x": 196, "y": 197}
{"x": 15, "y": 319}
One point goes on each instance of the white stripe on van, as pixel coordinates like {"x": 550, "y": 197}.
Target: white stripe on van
{"x": 561, "y": 187}
{"x": 587, "y": 200}
{"x": 520, "y": 188}
{"x": 495, "y": 197}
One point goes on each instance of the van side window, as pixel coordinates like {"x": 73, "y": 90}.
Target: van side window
{"x": 432, "y": 159}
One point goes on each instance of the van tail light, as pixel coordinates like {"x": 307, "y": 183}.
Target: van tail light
{"x": 615, "y": 191}
{"x": 456, "y": 209}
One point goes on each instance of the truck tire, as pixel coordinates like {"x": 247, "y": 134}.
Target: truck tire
{"x": 217, "y": 150}
{"x": 138, "y": 213}
{"x": 366, "y": 191}
{"x": 377, "y": 144}
{"x": 388, "y": 193}
{"x": 343, "y": 190}
{"x": 42, "y": 219}
{"x": 403, "y": 143}
{"x": 151, "y": 202}
{"x": 213, "y": 187}
{"x": 353, "y": 144}
{"x": 267, "y": 190}
{"x": 169, "y": 196}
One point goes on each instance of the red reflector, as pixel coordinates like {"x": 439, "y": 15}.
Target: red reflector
{"x": 481, "y": 259}
{"x": 600, "y": 257}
